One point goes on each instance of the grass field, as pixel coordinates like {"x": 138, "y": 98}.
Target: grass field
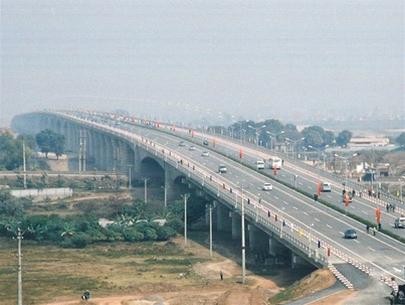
{"x": 50, "y": 272}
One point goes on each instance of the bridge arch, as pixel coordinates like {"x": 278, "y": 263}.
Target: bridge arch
{"x": 152, "y": 169}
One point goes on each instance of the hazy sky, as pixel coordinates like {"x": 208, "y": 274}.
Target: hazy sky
{"x": 184, "y": 59}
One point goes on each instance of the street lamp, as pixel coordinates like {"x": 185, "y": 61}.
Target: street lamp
{"x": 275, "y": 135}
{"x": 321, "y": 153}
{"x": 346, "y": 159}
{"x": 293, "y": 144}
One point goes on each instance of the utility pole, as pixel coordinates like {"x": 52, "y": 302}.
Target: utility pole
{"x": 145, "y": 184}
{"x": 243, "y": 236}
{"x": 129, "y": 177}
{"x": 82, "y": 151}
{"x": 185, "y": 197}
{"x": 165, "y": 195}
{"x": 19, "y": 275}
{"x": 24, "y": 165}
{"x": 210, "y": 214}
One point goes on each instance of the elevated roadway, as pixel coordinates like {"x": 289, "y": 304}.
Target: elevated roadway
{"x": 314, "y": 229}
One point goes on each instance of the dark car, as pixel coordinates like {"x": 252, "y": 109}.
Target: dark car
{"x": 205, "y": 142}
{"x": 350, "y": 234}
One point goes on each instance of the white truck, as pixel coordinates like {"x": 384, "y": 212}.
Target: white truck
{"x": 275, "y": 163}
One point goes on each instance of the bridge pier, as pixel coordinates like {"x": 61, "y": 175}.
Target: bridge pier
{"x": 236, "y": 226}
{"x": 258, "y": 240}
{"x": 297, "y": 261}
{"x": 224, "y": 222}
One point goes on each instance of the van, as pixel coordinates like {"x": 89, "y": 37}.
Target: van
{"x": 399, "y": 222}
{"x": 260, "y": 164}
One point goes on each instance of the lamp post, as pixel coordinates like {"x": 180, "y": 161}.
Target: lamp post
{"x": 145, "y": 184}
{"x": 243, "y": 236}
{"x": 293, "y": 143}
{"x": 275, "y": 135}
{"x": 346, "y": 159}
{"x": 185, "y": 197}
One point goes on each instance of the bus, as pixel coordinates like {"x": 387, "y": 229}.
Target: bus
{"x": 275, "y": 162}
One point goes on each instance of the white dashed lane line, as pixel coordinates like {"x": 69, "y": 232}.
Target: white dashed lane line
{"x": 276, "y": 197}
{"x": 329, "y": 226}
{"x": 316, "y": 219}
{"x": 371, "y": 249}
{"x": 306, "y": 213}
{"x": 364, "y": 212}
{"x": 295, "y": 208}
{"x": 341, "y": 233}
{"x": 356, "y": 241}
{"x": 285, "y": 202}
{"x": 300, "y": 183}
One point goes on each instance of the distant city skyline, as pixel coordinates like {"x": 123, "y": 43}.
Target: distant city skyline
{"x": 297, "y": 61}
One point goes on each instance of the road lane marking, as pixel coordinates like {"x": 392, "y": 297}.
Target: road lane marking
{"x": 329, "y": 226}
{"x": 285, "y": 202}
{"x": 397, "y": 270}
{"x": 295, "y": 208}
{"x": 371, "y": 249}
{"x": 355, "y": 240}
{"x": 364, "y": 212}
{"x": 306, "y": 213}
{"x": 277, "y": 198}
{"x": 316, "y": 219}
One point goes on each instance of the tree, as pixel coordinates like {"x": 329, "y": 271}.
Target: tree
{"x": 10, "y": 156}
{"x": 49, "y": 141}
{"x": 343, "y": 138}
{"x": 401, "y": 139}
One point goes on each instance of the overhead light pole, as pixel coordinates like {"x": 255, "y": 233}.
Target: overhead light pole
{"x": 24, "y": 164}
{"x": 243, "y": 236}
{"x": 145, "y": 184}
{"x": 185, "y": 197}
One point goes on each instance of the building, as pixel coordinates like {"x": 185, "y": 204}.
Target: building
{"x": 371, "y": 141}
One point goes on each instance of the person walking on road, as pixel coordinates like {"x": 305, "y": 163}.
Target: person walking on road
{"x": 374, "y": 231}
{"x": 368, "y": 228}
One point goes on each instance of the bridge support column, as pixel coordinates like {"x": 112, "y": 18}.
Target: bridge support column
{"x": 297, "y": 261}
{"x": 236, "y": 226}
{"x": 258, "y": 240}
{"x": 224, "y": 222}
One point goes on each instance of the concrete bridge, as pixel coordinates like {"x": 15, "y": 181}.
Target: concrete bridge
{"x": 282, "y": 223}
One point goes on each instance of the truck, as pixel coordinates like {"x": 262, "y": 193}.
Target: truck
{"x": 275, "y": 162}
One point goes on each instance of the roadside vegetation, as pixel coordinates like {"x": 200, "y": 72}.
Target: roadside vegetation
{"x": 128, "y": 221}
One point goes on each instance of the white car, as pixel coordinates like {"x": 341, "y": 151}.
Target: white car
{"x": 267, "y": 186}
{"x": 205, "y": 154}
{"x": 260, "y": 164}
{"x": 222, "y": 169}
{"x": 326, "y": 187}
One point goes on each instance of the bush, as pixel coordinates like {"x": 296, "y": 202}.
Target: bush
{"x": 132, "y": 234}
{"x": 164, "y": 233}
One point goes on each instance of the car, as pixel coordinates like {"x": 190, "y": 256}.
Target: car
{"x": 326, "y": 187}
{"x": 205, "y": 154}
{"x": 267, "y": 186}
{"x": 205, "y": 142}
{"x": 182, "y": 144}
{"x": 192, "y": 147}
{"x": 350, "y": 234}
{"x": 222, "y": 169}
{"x": 260, "y": 164}
{"x": 399, "y": 222}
